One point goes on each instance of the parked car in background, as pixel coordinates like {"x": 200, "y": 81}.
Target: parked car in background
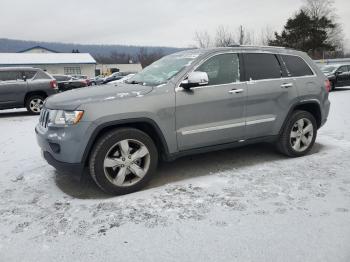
{"x": 185, "y": 103}
{"x": 338, "y": 75}
{"x": 25, "y": 87}
{"x": 83, "y": 77}
{"x": 97, "y": 80}
{"x": 122, "y": 80}
{"x": 116, "y": 76}
{"x": 66, "y": 82}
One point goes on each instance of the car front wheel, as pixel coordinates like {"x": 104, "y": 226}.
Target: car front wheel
{"x": 299, "y": 134}
{"x": 123, "y": 160}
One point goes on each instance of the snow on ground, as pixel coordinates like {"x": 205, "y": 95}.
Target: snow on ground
{"x": 247, "y": 204}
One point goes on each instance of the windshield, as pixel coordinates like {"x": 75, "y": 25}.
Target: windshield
{"x": 328, "y": 69}
{"x": 164, "y": 69}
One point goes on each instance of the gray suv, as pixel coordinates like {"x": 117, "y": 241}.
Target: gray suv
{"x": 25, "y": 87}
{"x": 185, "y": 103}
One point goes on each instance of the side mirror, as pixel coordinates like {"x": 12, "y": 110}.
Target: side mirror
{"x": 339, "y": 72}
{"x": 24, "y": 77}
{"x": 195, "y": 79}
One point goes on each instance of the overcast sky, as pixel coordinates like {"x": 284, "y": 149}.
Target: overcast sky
{"x": 144, "y": 22}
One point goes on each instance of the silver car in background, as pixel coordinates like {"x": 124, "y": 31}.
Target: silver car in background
{"x": 25, "y": 87}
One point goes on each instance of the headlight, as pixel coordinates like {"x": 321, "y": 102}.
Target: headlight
{"x": 63, "y": 117}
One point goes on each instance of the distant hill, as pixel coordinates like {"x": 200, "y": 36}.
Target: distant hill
{"x": 10, "y": 46}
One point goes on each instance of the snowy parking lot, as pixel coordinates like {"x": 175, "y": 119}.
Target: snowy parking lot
{"x": 246, "y": 204}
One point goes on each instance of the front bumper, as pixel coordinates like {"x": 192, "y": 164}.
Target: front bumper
{"x": 63, "y": 148}
{"x": 71, "y": 168}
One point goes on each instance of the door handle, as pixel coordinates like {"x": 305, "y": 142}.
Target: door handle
{"x": 236, "y": 91}
{"x": 286, "y": 85}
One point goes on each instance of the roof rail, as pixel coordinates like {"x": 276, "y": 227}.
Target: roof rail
{"x": 265, "y": 46}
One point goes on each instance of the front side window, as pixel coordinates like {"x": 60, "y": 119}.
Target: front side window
{"x": 221, "y": 69}
{"x": 296, "y": 66}
{"x": 10, "y": 76}
{"x": 262, "y": 66}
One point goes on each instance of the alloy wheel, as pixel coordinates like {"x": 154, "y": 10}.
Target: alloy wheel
{"x": 126, "y": 162}
{"x": 36, "y": 104}
{"x": 301, "y": 134}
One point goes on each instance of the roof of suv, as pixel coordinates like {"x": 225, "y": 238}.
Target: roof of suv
{"x": 244, "y": 48}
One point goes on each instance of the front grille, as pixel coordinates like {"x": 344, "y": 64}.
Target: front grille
{"x": 44, "y": 117}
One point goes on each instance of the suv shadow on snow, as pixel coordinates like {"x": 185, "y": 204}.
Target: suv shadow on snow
{"x": 185, "y": 168}
{"x": 7, "y": 114}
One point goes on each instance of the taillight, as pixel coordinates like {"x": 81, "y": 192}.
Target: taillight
{"x": 53, "y": 84}
{"x": 327, "y": 85}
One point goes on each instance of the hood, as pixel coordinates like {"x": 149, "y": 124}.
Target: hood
{"x": 72, "y": 99}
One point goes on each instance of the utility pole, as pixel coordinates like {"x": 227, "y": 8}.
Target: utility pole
{"x": 241, "y": 35}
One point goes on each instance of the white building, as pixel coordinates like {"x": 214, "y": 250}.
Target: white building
{"x": 53, "y": 63}
{"x": 106, "y": 69}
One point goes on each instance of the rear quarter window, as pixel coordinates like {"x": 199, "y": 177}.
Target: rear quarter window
{"x": 42, "y": 75}
{"x": 296, "y": 66}
{"x": 260, "y": 66}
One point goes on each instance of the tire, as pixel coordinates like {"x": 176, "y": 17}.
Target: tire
{"x": 34, "y": 104}
{"x": 116, "y": 168}
{"x": 288, "y": 140}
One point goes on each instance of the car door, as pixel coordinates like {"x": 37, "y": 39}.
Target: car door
{"x": 342, "y": 75}
{"x": 12, "y": 88}
{"x": 269, "y": 95}
{"x": 212, "y": 114}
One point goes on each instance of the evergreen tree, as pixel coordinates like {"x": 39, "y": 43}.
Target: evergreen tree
{"x": 306, "y": 33}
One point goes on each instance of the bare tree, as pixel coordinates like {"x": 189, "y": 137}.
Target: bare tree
{"x": 203, "y": 39}
{"x": 266, "y": 35}
{"x": 325, "y": 8}
{"x": 146, "y": 58}
{"x": 224, "y": 37}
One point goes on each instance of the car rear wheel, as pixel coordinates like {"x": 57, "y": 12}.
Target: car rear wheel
{"x": 299, "y": 134}
{"x": 123, "y": 161}
{"x": 35, "y": 103}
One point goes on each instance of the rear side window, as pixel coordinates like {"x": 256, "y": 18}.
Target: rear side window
{"x": 42, "y": 75}
{"x": 29, "y": 74}
{"x": 296, "y": 66}
{"x": 221, "y": 69}
{"x": 262, "y": 66}
{"x": 10, "y": 76}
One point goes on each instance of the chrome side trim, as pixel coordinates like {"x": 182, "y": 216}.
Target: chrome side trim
{"x": 212, "y": 128}
{"x": 259, "y": 121}
{"x": 221, "y": 127}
